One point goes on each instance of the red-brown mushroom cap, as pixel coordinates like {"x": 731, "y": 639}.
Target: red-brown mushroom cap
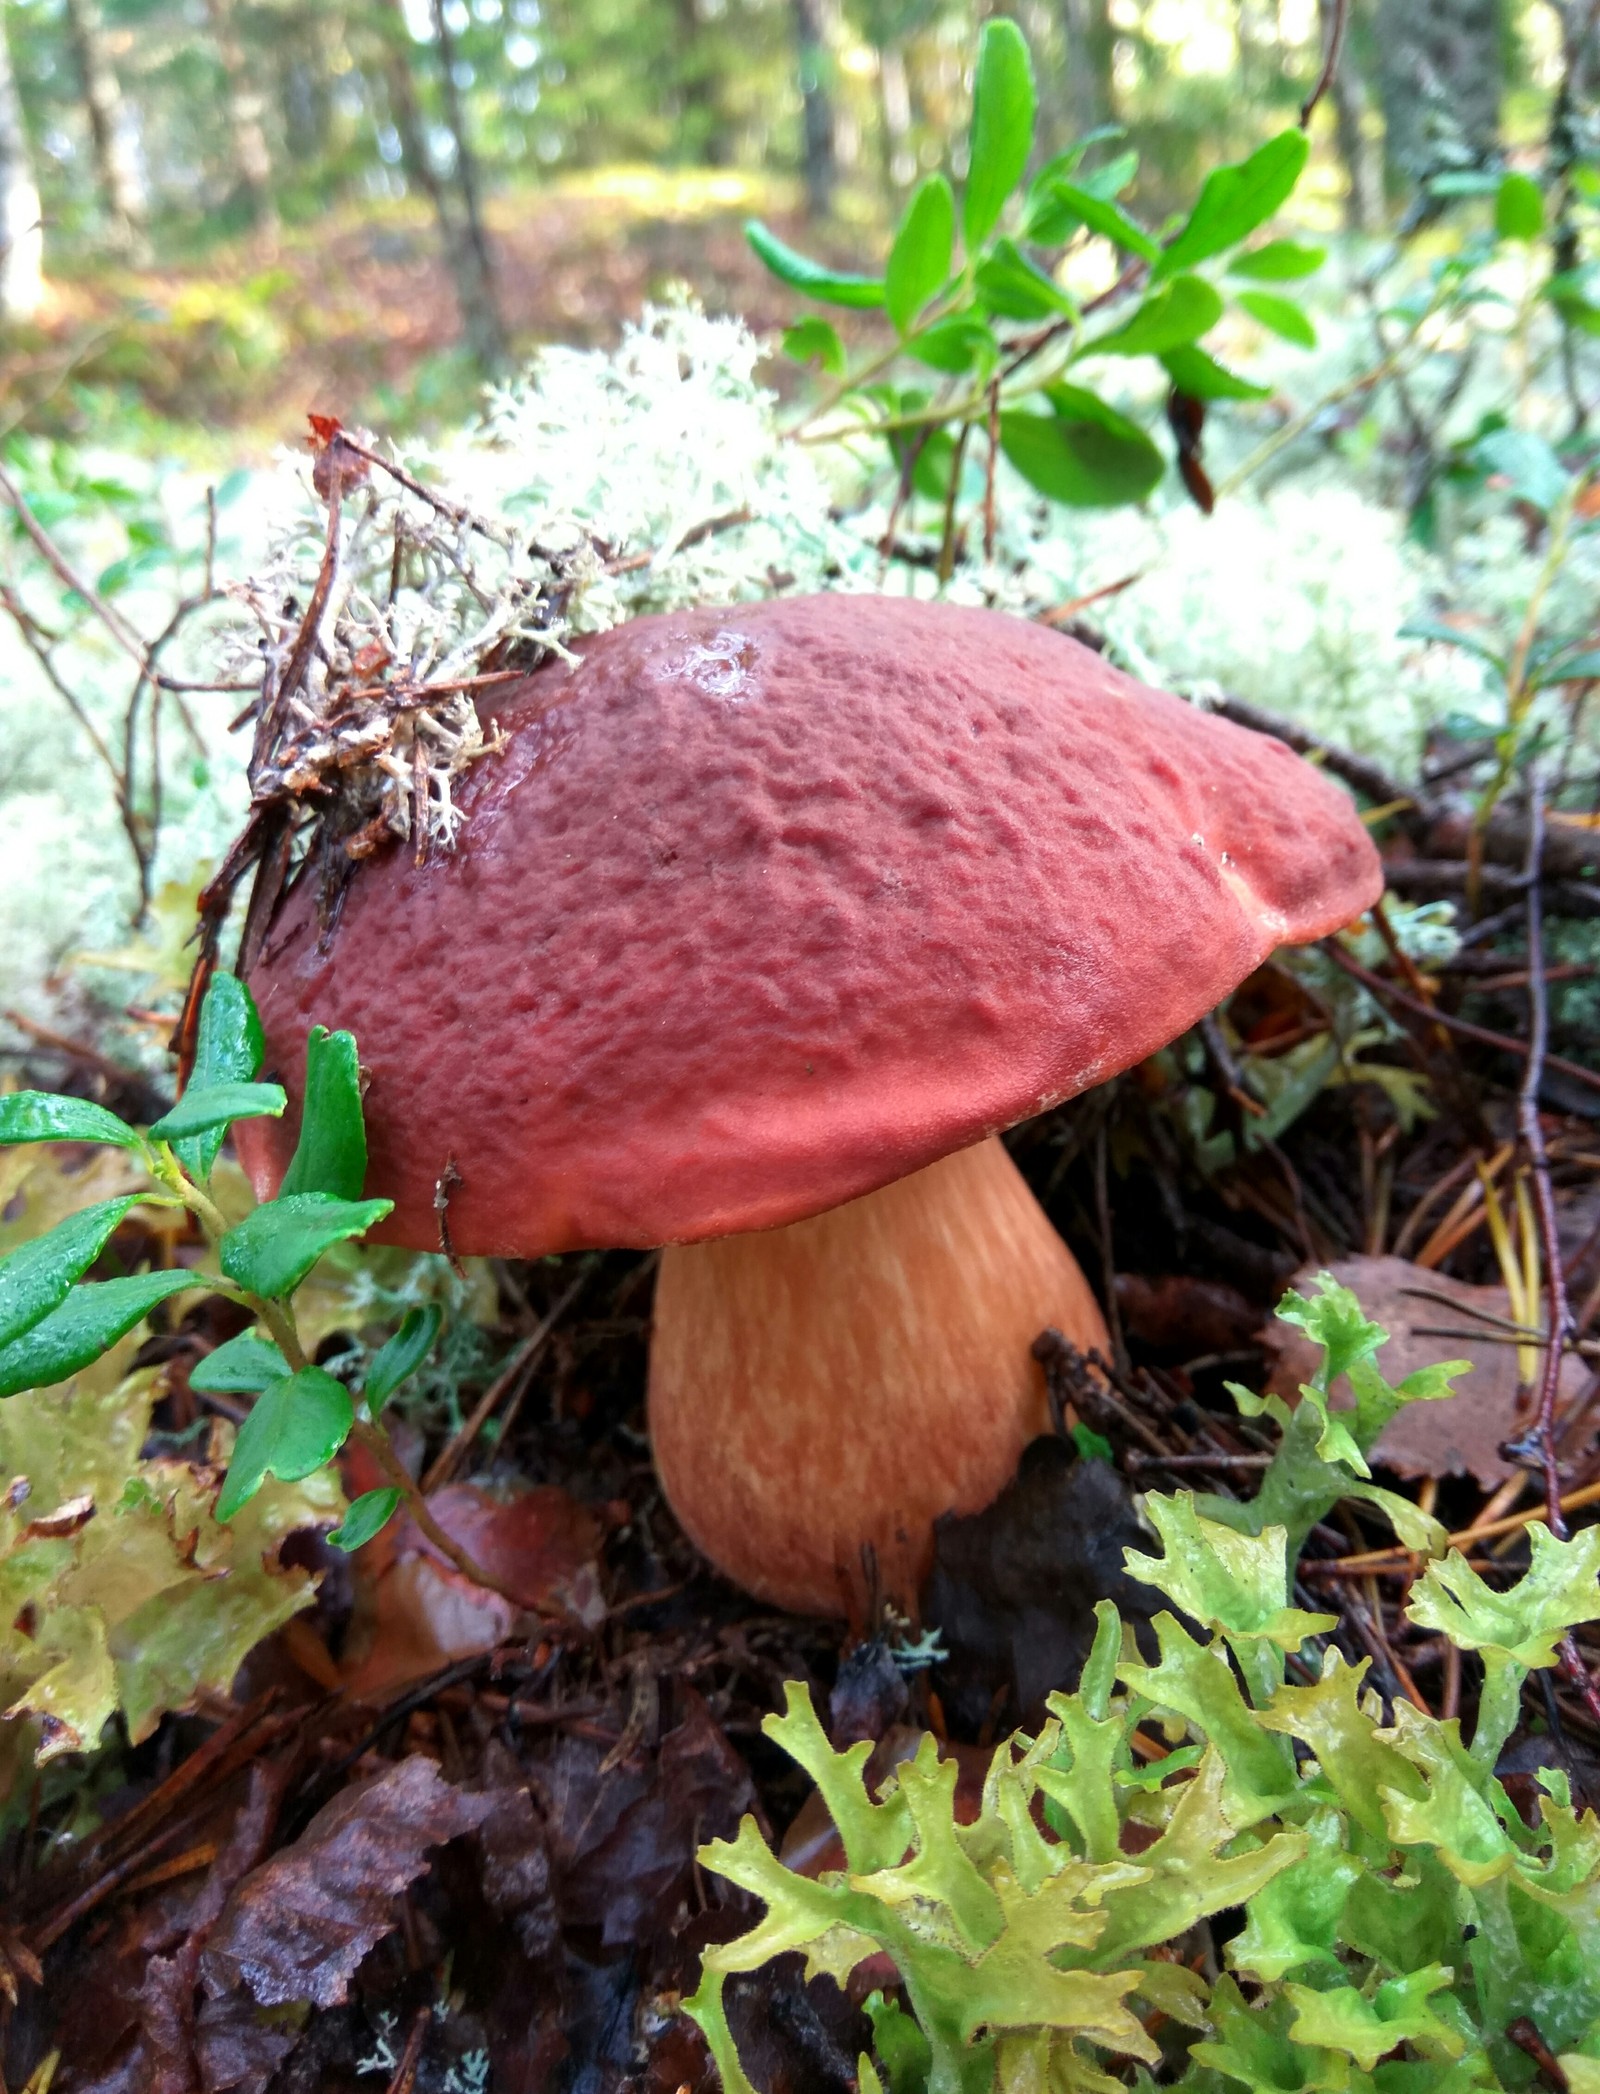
{"x": 764, "y": 907}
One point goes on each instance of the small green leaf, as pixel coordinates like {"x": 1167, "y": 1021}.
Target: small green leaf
{"x": 273, "y": 1249}
{"x": 1437, "y": 634}
{"x": 228, "y": 1049}
{"x": 1559, "y": 1590}
{"x": 1236, "y": 199}
{"x": 1334, "y": 1320}
{"x": 1189, "y": 1875}
{"x": 38, "y": 1276}
{"x": 830, "y": 286}
{"x": 1279, "y": 262}
{"x": 1193, "y": 372}
{"x": 89, "y": 1322}
{"x": 919, "y": 261}
{"x": 331, "y": 1155}
{"x": 400, "y": 1358}
{"x": 1293, "y": 1921}
{"x": 1085, "y": 455}
{"x": 242, "y": 1367}
{"x": 959, "y": 343}
{"x": 899, "y": 2042}
{"x": 1237, "y": 1583}
{"x": 1355, "y": 1756}
{"x": 1572, "y": 293}
{"x": 815, "y": 341}
{"x": 1343, "y": 2019}
{"x": 1064, "y": 205}
{"x": 1197, "y": 1681}
{"x": 1455, "y": 1813}
{"x": 1281, "y": 315}
{"x": 368, "y": 1514}
{"x": 1001, "y": 137}
{"x": 1009, "y": 284}
{"x": 1092, "y": 1445}
{"x": 1518, "y": 208}
{"x": 1577, "y": 668}
{"x": 217, "y": 1105}
{"x": 1528, "y": 462}
{"x": 294, "y": 1426}
{"x": 1174, "y": 315}
{"x": 875, "y": 1834}
{"x": 44, "y": 1116}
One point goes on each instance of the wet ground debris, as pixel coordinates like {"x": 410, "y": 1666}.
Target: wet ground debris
{"x": 473, "y": 1866}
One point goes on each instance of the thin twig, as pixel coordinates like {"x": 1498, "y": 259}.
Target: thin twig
{"x": 990, "y": 464}
{"x": 375, "y": 1441}
{"x": 1330, "y": 60}
{"x": 1504, "y": 1041}
{"x": 126, "y": 635}
{"x": 1559, "y": 1312}
{"x": 730, "y": 520}
{"x": 522, "y": 1361}
{"x": 1466, "y": 1538}
{"x": 1108, "y": 1260}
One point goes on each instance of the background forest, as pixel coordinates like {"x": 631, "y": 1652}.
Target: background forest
{"x": 151, "y": 150}
{"x": 357, "y": 357}
{"x": 218, "y": 217}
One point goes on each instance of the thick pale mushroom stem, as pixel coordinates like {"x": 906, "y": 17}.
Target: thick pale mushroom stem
{"x": 844, "y": 1381}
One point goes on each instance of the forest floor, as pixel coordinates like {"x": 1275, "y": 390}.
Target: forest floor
{"x": 468, "y": 1831}
{"x": 357, "y": 316}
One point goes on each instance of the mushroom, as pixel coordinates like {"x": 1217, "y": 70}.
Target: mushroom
{"x": 760, "y": 927}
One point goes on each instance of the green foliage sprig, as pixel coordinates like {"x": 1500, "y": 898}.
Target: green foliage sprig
{"x": 55, "y": 1322}
{"x": 1003, "y": 338}
{"x": 1399, "y": 1917}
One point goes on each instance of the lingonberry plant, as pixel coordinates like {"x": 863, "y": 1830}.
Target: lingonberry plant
{"x": 1399, "y": 1928}
{"x": 55, "y": 1322}
{"x": 998, "y": 342}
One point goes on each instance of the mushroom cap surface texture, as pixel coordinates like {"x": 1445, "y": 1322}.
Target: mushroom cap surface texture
{"x": 763, "y": 907}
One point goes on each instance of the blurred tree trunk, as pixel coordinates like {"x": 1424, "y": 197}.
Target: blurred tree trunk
{"x": 307, "y": 59}
{"x": 819, "y": 158}
{"x": 474, "y": 274}
{"x": 1090, "y": 42}
{"x": 894, "y": 97}
{"x": 465, "y": 259}
{"x": 704, "y": 125}
{"x": 1441, "y": 75}
{"x": 252, "y": 159}
{"x": 416, "y": 162}
{"x": 1357, "y": 147}
{"x": 21, "y": 232}
{"x": 112, "y": 138}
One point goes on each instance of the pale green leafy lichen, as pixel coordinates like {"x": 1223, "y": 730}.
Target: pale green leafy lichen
{"x": 1398, "y": 1915}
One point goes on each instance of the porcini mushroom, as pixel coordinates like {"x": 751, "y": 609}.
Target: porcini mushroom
{"x": 760, "y": 926}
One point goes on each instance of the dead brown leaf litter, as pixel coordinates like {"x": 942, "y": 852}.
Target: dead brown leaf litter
{"x": 433, "y": 1841}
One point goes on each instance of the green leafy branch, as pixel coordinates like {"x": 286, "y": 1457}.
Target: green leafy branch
{"x": 1399, "y": 1918}
{"x": 55, "y": 1322}
{"x": 988, "y": 314}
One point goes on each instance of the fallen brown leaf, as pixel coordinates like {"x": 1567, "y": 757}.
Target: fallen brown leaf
{"x": 1460, "y": 1435}
{"x": 297, "y": 1927}
{"x": 516, "y": 1860}
{"x": 417, "y": 1611}
{"x": 1182, "y": 1314}
{"x": 623, "y": 1837}
{"x": 239, "y": 2046}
